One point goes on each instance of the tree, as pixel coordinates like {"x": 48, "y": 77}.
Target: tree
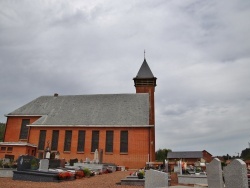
{"x": 245, "y": 154}
{"x": 2, "y": 129}
{"x": 161, "y": 154}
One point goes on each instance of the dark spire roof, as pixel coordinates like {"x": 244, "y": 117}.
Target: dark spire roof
{"x": 145, "y": 71}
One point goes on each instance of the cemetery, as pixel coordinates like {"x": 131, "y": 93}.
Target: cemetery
{"x": 29, "y": 168}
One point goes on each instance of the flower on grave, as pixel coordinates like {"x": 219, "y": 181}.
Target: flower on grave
{"x": 65, "y": 175}
{"x": 79, "y": 174}
{"x": 61, "y": 175}
{"x": 141, "y": 174}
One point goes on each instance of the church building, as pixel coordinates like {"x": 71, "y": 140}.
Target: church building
{"x": 120, "y": 126}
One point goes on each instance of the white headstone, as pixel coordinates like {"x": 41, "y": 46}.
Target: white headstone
{"x": 155, "y": 178}
{"x": 214, "y": 174}
{"x": 96, "y": 156}
{"x": 44, "y": 165}
{"x": 47, "y": 156}
{"x": 235, "y": 174}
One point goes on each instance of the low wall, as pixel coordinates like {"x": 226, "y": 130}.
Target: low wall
{"x": 192, "y": 179}
{"x": 6, "y": 172}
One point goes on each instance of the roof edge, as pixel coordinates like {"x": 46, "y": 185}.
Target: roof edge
{"x": 17, "y": 144}
{"x": 19, "y": 115}
{"x": 32, "y": 125}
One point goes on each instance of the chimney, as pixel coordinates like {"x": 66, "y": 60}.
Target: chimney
{"x": 55, "y": 94}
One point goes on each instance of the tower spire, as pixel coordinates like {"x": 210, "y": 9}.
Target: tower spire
{"x": 145, "y": 82}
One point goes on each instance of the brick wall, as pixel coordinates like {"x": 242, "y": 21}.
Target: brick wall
{"x": 13, "y": 128}
{"x": 207, "y": 156}
{"x": 138, "y": 144}
{"x": 17, "y": 151}
{"x": 150, "y": 90}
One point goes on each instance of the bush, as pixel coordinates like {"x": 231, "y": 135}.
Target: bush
{"x": 86, "y": 172}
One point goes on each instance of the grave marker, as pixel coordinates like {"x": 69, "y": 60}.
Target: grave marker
{"x": 236, "y": 174}
{"x": 72, "y": 161}
{"x": 44, "y": 165}
{"x": 214, "y": 174}
{"x": 154, "y": 178}
{"x": 24, "y": 162}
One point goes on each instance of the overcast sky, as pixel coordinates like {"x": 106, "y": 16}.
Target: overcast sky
{"x": 198, "y": 50}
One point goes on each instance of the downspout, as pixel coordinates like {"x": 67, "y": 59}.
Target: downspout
{"x": 149, "y": 144}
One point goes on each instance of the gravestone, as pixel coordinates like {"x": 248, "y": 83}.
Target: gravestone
{"x": 44, "y": 165}
{"x": 87, "y": 160}
{"x": 72, "y": 161}
{"x": 24, "y": 162}
{"x": 214, "y": 174}
{"x": 235, "y": 174}
{"x": 96, "y": 157}
{"x": 101, "y": 156}
{"x": 56, "y": 163}
{"x": 47, "y": 155}
{"x": 155, "y": 178}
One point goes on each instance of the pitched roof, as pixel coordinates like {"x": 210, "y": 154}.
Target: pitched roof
{"x": 185, "y": 154}
{"x": 104, "y": 109}
{"x": 144, "y": 71}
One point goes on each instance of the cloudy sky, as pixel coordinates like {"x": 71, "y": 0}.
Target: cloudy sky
{"x": 198, "y": 50}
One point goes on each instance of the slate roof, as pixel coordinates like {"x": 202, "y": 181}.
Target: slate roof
{"x": 184, "y": 154}
{"x": 103, "y": 109}
{"x": 145, "y": 71}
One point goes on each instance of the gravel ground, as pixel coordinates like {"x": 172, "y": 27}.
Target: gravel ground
{"x": 111, "y": 180}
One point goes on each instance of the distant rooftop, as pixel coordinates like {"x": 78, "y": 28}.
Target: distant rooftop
{"x": 184, "y": 154}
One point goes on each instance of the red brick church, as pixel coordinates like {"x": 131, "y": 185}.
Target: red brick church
{"x": 120, "y": 126}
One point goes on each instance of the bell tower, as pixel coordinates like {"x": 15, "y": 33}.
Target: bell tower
{"x": 145, "y": 82}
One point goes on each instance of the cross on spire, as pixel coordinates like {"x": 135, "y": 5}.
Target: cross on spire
{"x": 144, "y": 54}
